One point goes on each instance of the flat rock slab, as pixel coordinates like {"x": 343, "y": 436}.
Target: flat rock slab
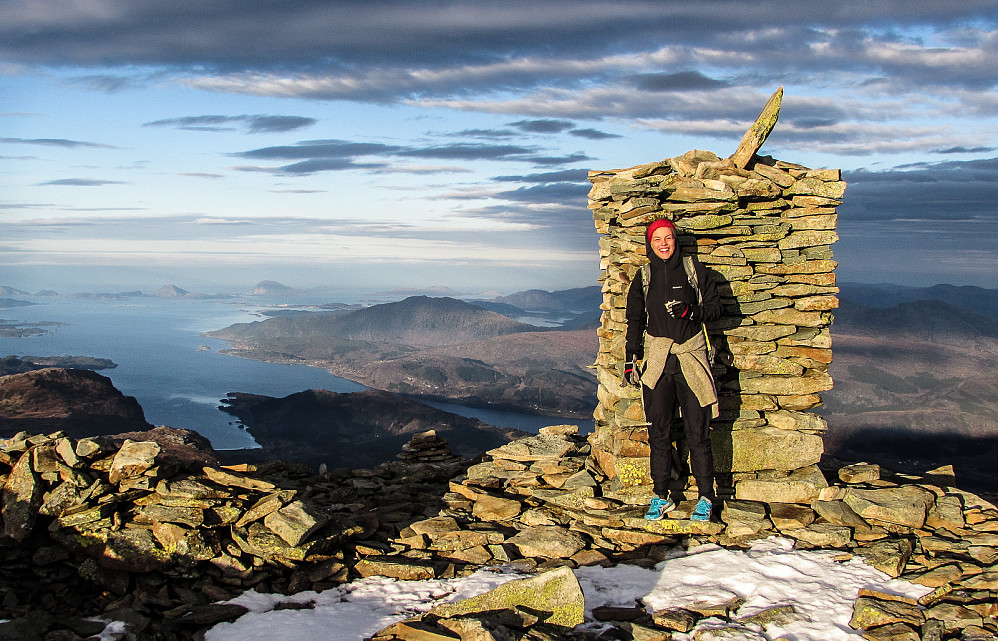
{"x": 675, "y": 526}
{"x": 535, "y": 448}
{"x": 557, "y": 592}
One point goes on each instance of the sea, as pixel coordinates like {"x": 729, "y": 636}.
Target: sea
{"x": 180, "y": 376}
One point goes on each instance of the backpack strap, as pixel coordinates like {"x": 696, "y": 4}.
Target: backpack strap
{"x": 691, "y": 274}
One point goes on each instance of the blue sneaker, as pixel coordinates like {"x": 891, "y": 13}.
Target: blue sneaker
{"x": 659, "y": 508}
{"x": 703, "y": 510}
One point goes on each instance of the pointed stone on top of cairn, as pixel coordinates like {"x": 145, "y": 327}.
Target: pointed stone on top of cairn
{"x": 759, "y": 131}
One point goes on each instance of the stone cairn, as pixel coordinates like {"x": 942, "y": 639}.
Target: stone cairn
{"x": 764, "y": 228}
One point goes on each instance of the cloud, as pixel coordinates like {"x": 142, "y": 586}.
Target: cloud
{"x": 493, "y": 134}
{"x": 200, "y": 174}
{"x": 593, "y": 134}
{"x": 82, "y": 182}
{"x": 341, "y": 155}
{"x": 578, "y": 156}
{"x": 219, "y": 221}
{"x": 543, "y": 126}
{"x": 568, "y": 175}
{"x": 254, "y": 124}
{"x": 560, "y": 193}
{"x": 24, "y": 205}
{"x": 965, "y": 150}
{"x": 327, "y": 164}
{"x": 681, "y": 81}
{"x": 104, "y": 83}
{"x": 56, "y": 142}
{"x": 423, "y": 169}
{"x": 471, "y": 151}
{"x": 315, "y": 149}
{"x": 942, "y": 192}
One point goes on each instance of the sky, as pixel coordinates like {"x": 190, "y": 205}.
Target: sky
{"x": 821, "y": 589}
{"x": 394, "y": 145}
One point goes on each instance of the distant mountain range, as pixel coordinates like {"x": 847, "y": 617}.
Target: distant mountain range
{"x": 580, "y": 299}
{"x": 978, "y": 299}
{"x": 915, "y": 381}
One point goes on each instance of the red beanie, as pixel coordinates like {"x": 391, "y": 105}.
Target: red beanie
{"x": 658, "y": 224}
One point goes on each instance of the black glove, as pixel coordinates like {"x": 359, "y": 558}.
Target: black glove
{"x": 679, "y": 309}
{"x": 631, "y": 375}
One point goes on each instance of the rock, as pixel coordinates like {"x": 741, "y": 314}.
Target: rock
{"x": 475, "y": 630}
{"x": 295, "y": 522}
{"x": 869, "y": 612}
{"x": 946, "y": 513}
{"x": 825, "y": 535}
{"x": 22, "y": 496}
{"x": 906, "y": 505}
{"x": 534, "y": 448}
{"x": 987, "y": 580}
{"x": 637, "y": 632}
{"x": 675, "y": 526}
{"x": 859, "y": 473}
{"x": 133, "y": 459}
{"x": 954, "y": 616}
{"x": 839, "y": 513}
{"x": 212, "y": 614}
{"x": 234, "y": 480}
{"x": 550, "y": 542}
{"x": 495, "y": 508}
{"x": 766, "y": 448}
{"x": 787, "y": 516}
{"x": 890, "y": 556}
{"x": 678, "y": 619}
{"x": 556, "y": 592}
{"x": 800, "y": 486}
{"x": 939, "y": 576}
{"x": 893, "y": 632}
{"x": 265, "y": 506}
{"x": 780, "y": 615}
{"x": 395, "y": 567}
{"x": 757, "y": 134}
{"x": 619, "y": 613}
{"x": 744, "y": 517}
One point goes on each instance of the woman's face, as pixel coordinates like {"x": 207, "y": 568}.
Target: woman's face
{"x": 663, "y": 242}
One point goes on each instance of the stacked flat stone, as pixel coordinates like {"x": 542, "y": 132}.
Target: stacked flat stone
{"x": 765, "y": 232}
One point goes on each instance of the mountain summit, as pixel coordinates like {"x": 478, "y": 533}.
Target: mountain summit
{"x": 271, "y": 287}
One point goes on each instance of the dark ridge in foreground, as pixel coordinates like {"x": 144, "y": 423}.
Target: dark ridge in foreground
{"x": 76, "y": 401}
{"x": 352, "y": 430}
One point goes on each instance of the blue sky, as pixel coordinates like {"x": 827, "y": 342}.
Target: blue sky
{"x": 380, "y": 145}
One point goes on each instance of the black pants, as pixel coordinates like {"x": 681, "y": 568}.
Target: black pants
{"x": 660, "y": 404}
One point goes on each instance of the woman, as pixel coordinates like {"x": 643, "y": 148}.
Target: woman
{"x": 667, "y": 306}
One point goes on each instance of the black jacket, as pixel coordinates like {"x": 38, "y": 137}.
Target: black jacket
{"x": 668, "y": 281}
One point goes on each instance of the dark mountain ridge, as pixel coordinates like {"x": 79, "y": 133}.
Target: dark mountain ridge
{"x": 977, "y": 299}
{"x": 932, "y": 321}
{"x": 77, "y": 401}
{"x": 358, "y": 429}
